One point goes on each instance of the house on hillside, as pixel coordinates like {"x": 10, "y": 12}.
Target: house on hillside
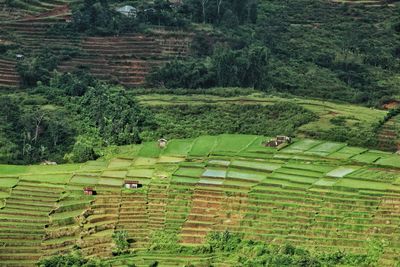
{"x": 279, "y": 140}
{"x": 131, "y": 184}
{"x": 19, "y": 57}
{"x": 127, "y": 11}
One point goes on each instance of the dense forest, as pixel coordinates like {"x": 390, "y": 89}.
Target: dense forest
{"x": 304, "y": 48}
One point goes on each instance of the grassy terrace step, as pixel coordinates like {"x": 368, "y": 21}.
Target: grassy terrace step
{"x": 17, "y": 249}
{"x": 15, "y": 218}
{"x": 22, "y": 212}
{"x": 18, "y": 263}
{"x": 48, "y": 202}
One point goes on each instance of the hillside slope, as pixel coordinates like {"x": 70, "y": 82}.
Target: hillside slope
{"x": 319, "y": 195}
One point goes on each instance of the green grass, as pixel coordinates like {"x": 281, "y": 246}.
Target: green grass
{"x": 48, "y": 178}
{"x": 190, "y": 172}
{"x": 233, "y": 143}
{"x": 8, "y": 182}
{"x": 258, "y": 165}
{"x": 203, "y": 146}
{"x": 12, "y": 169}
{"x": 84, "y": 180}
{"x": 120, "y": 163}
{"x": 217, "y": 173}
{"x": 139, "y": 172}
{"x": 110, "y": 181}
{"x": 341, "y": 171}
{"x": 115, "y": 173}
{"x": 178, "y": 148}
{"x": 150, "y": 150}
{"x": 326, "y": 148}
{"x": 301, "y": 146}
{"x": 393, "y": 161}
{"x": 246, "y": 174}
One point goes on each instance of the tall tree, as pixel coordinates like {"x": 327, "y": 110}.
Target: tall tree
{"x": 204, "y": 7}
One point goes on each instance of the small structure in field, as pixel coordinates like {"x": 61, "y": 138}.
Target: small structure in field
{"x": 162, "y": 143}
{"x": 47, "y": 162}
{"x": 131, "y": 184}
{"x": 88, "y": 191}
{"x": 279, "y": 140}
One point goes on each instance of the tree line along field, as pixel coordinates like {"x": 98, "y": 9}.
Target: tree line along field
{"x": 324, "y": 196}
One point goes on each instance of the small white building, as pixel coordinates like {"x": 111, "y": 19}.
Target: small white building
{"x": 131, "y": 184}
{"x": 127, "y": 10}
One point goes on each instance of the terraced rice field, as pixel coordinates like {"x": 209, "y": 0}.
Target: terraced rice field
{"x": 24, "y": 8}
{"x": 368, "y": 3}
{"x": 320, "y": 195}
{"x": 9, "y": 77}
{"x": 128, "y": 59}
{"x": 124, "y": 59}
{"x": 389, "y": 135}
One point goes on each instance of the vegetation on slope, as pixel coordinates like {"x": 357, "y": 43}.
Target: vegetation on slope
{"x": 312, "y": 48}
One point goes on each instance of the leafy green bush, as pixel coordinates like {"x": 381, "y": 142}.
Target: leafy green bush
{"x": 120, "y": 239}
{"x": 118, "y": 118}
{"x": 85, "y": 149}
{"x": 37, "y": 68}
{"x": 73, "y": 259}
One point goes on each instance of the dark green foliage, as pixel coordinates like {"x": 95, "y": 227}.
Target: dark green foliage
{"x": 315, "y": 49}
{"x": 117, "y": 117}
{"x": 72, "y": 119}
{"x": 37, "y": 68}
{"x": 85, "y": 148}
{"x": 241, "y": 11}
{"x": 247, "y": 67}
{"x": 256, "y": 253}
{"x": 31, "y": 134}
{"x": 75, "y": 83}
{"x": 181, "y": 74}
{"x": 98, "y": 17}
{"x": 357, "y": 135}
{"x": 73, "y": 259}
{"x": 9, "y": 124}
{"x": 202, "y": 44}
{"x": 184, "y": 121}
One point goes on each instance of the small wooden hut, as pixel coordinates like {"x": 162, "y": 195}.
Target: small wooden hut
{"x": 88, "y": 191}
